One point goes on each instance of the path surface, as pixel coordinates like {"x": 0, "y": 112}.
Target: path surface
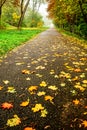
{"x": 43, "y": 85}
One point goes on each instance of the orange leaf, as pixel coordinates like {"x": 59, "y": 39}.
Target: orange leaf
{"x": 7, "y": 105}
{"x": 25, "y": 103}
{"x": 25, "y": 72}
{"x": 84, "y": 123}
{"x": 1, "y": 87}
{"x": 77, "y": 70}
{"x": 29, "y": 128}
{"x": 76, "y": 102}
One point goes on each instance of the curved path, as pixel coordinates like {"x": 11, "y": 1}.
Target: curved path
{"x": 43, "y": 85}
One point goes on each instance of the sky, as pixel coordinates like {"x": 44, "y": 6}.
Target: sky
{"x": 44, "y": 13}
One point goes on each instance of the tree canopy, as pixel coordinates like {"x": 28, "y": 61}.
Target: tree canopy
{"x": 69, "y": 14}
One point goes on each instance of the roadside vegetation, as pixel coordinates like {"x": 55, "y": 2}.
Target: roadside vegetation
{"x": 12, "y": 38}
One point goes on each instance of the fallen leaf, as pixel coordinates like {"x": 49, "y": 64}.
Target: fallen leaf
{"x": 11, "y": 90}
{"x": 76, "y": 101}
{"x": 53, "y": 87}
{"x": 20, "y": 63}
{"x": 1, "y": 87}
{"x": 32, "y": 89}
{"x": 28, "y": 79}
{"x": 5, "y": 81}
{"x": 25, "y": 103}
{"x": 48, "y": 97}
{"x": 29, "y": 128}
{"x": 43, "y": 84}
{"x": 40, "y": 67}
{"x": 78, "y": 86}
{"x": 25, "y": 72}
{"x": 38, "y": 107}
{"x": 47, "y": 127}
{"x": 44, "y": 113}
{"x": 7, "y": 105}
{"x": 85, "y": 113}
{"x": 52, "y": 72}
{"x": 84, "y": 81}
{"x": 41, "y": 93}
{"x": 84, "y": 123}
{"x": 13, "y": 121}
{"x": 77, "y": 70}
{"x": 63, "y": 84}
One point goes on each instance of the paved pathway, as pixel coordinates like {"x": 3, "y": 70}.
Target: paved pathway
{"x": 43, "y": 85}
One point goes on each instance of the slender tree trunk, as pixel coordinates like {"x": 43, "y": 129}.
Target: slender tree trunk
{"x": 23, "y": 10}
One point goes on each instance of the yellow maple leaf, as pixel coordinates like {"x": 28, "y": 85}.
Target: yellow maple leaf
{"x": 43, "y": 84}
{"x": 76, "y": 101}
{"x": 25, "y": 103}
{"x": 84, "y": 123}
{"x": 38, "y": 107}
{"x": 32, "y": 88}
{"x": 44, "y": 113}
{"x": 41, "y": 93}
{"x": 13, "y": 121}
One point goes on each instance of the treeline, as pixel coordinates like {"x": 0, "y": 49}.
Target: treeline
{"x": 20, "y": 13}
{"x": 70, "y": 15}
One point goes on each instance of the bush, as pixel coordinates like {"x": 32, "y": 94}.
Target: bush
{"x": 83, "y": 29}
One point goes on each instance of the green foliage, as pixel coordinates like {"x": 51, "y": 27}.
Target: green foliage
{"x": 9, "y": 39}
{"x": 70, "y": 15}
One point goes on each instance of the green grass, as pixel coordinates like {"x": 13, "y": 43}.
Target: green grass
{"x": 11, "y": 38}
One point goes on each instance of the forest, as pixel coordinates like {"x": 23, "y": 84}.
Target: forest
{"x": 20, "y": 13}
{"x": 70, "y": 15}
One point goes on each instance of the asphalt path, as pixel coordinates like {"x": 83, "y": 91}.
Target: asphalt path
{"x": 43, "y": 85}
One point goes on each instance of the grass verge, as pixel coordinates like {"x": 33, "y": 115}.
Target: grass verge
{"x": 11, "y": 38}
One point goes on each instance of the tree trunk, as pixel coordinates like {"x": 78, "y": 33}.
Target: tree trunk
{"x": 23, "y": 10}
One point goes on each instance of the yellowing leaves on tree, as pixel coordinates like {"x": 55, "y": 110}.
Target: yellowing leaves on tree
{"x": 43, "y": 84}
{"x": 38, "y": 107}
{"x": 13, "y": 121}
{"x": 84, "y": 123}
{"x": 25, "y": 103}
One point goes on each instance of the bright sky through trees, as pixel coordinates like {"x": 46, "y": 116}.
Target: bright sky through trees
{"x": 44, "y": 13}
